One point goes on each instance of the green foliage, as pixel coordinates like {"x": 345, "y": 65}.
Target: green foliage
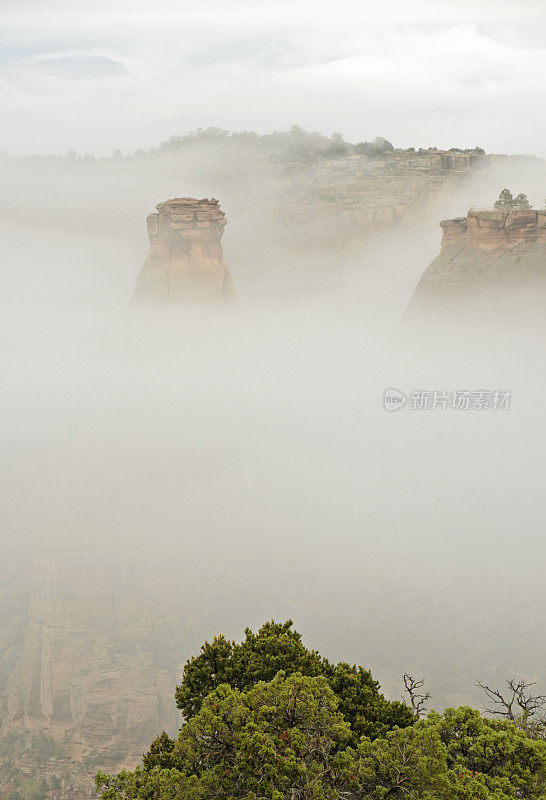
{"x": 471, "y": 151}
{"x": 160, "y": 753}
{"x": 269, "y": 719}
{"x": 336, "y": 150}
{"x": 281, "y": 734}
{"x": 376, "y": 149}
{"x": 368, "y": 712}
{"x": 406, "y": 763}
{"x": 258, "y": 658}
{"x": 160, "y": 784}
{"x": 459, "y": 754}
{"x": 509, "y": 759}
{"x": 507, "y": 202}
{"x": 286, "y": 739}
{"x": 521, "y": 203}
{"x": 281, "y": 738}
{"x": 277, "y": 647}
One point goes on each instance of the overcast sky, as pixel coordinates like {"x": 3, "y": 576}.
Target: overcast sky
{"x": 100, "y": 76}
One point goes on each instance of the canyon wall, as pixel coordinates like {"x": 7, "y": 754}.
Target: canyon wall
{"x": 490, "y": 262}
{"x": 356, "y": 195}
{"x": 185, "y": 263}
{"x": 84, "y": 664}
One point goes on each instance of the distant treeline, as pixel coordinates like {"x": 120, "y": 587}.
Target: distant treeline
{"x": 292, "y": 145}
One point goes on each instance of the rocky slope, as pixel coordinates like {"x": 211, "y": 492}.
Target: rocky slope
{"x": 490, "y": 262}
{"x": 185, "y": 263}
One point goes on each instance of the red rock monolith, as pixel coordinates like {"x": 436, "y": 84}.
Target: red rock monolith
{"x": 185, "y": 262}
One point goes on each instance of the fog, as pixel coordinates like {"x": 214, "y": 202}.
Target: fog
{"x": 244, "y": 454}
{"x": 96, "y": 76}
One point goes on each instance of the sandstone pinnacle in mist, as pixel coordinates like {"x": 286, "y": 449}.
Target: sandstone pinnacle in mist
{"x": 185, "y": 263}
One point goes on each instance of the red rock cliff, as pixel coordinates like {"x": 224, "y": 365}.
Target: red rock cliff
{"x": 490, "y": 229}
{"x": 185, "y": 263}
{"x": 492, "y": 264}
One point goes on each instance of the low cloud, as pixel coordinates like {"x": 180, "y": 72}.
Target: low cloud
{"x": 438, "y": 76}
{"x": 81, "y": 67}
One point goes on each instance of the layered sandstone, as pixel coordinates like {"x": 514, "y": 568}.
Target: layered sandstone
{"x": 356, "y": 195}
{"x": 185, "y": 263}
{"x": 491, "y": 261}
{"x": 489, "y": 230}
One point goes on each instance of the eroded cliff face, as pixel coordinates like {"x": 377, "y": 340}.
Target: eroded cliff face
{"x": 185, "y": 263}
{"x": 491, "y": 262}
{"x": 490, "y": 230}
{"x": 340, "y": 203}
{"x": 83, "y": 663}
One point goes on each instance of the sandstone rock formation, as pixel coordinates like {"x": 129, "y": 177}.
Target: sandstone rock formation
{"x": 488, "y": 230}
{"x": 185, "y": 263}
{"x": 339, "y": 198}
{"x": 490, "y": 261}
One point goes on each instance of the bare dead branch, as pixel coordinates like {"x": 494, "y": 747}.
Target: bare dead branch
{"x": 417, "y": 699}
{"x": 517, "y": 703}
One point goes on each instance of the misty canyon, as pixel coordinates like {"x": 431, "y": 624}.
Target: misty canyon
{"x": 272, "y": 334}
{"x": 187, "y": 447}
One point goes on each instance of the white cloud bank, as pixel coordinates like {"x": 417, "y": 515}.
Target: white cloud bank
{"x": 128, "y": 75}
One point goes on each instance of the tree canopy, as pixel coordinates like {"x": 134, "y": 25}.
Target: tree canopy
{"x": 276, "y": 646}
{"x": 286, "y": 739}
{"x": 314, "y": 731}
{"x": 507, "y": 202}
